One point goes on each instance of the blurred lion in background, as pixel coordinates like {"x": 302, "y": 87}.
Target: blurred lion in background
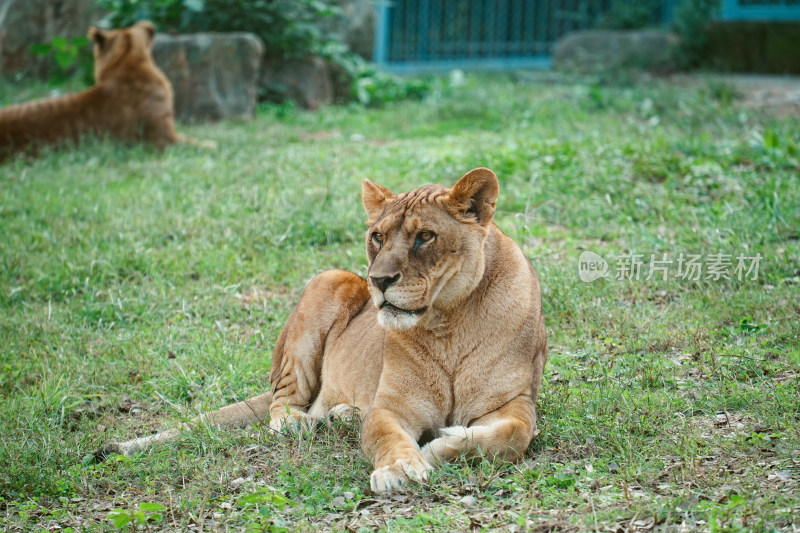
{"x": 132, "y": 100}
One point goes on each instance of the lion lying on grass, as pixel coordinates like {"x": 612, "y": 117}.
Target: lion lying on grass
{"x": 446, "y": 339}
{"x": 131, "y": 100}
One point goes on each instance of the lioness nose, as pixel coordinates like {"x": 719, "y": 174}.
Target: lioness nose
{"x": 384, "y": 282}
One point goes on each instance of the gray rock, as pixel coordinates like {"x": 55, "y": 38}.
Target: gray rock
{"x": 307, "y": 81}
{"x": 214, "y": 75}
{"x": 468, "y": 500}
{"x": 337, "y": 502}
{"x": 601, "y": 50}
{"x": 27, "y": 22}
{"x": 239, "y": 481}
{"x": 355, "y": 26}
{"x": 312, "y": 81}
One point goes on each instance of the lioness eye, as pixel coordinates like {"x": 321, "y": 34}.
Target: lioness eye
{"x": 378, "y": 238}
{"x": 425, "y": 236}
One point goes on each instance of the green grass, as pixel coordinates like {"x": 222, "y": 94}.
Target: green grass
{"x": 138, "y": 289}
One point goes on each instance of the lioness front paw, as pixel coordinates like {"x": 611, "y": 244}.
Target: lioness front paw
{"x": 395, "y": 477}
{"x": 448, "y": 445}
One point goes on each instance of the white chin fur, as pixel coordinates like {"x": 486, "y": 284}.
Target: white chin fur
{"x": 399, "y": 321}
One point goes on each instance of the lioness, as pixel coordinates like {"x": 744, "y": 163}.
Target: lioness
{"x": 131, "y": 100}
{"x": 445, "y": 338}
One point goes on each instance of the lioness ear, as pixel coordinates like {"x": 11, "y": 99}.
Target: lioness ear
{"x": 374, "y": 197}
{"x": 475, "y": 195}
{"x": 97, "y": 36}
{"x": 147, "y": 26}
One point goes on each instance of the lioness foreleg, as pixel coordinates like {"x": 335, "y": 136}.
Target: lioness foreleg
{"x": 394, "y": 452}
{"x": 504, "y": 434}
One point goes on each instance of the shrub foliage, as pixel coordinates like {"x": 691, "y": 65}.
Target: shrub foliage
{"x": 287, "y": 27}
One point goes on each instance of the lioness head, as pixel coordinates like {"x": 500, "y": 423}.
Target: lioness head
{"x": 426, "y": 247}
{"x": 111, "y": 47}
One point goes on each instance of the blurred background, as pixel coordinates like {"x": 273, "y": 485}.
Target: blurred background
{"x": 314, "y": 52}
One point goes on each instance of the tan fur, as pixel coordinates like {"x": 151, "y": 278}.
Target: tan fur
{"x": 465, "y": 366}
{"x": 131, "y": 100}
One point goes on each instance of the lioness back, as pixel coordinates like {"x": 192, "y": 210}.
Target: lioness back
{"x": 131, "y": 100}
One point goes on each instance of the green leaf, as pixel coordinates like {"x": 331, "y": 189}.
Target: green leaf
{"x": 771, "y": 140}
{"x": 258, "y": 497}
{"x": 41, "y": 49}
{"x": 150, "y": 507}
{"x": 736, "y": 499}
{"x": 59, "y": 42}
{"x": 119, "y": 517}
{"x": 267, "y": 495}
{"x": 64, "y": 58}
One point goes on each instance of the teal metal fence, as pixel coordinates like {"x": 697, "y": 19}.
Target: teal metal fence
{"x": 490, "y": 34}
{"x": 415, "y": 35}
{"x": 761, "y": 10}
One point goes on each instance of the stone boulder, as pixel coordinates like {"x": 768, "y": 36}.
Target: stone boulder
{"x": 603, "y": 50}
{"x": 312, "y": 81}
{"x": 354, "y": 26}
{"x": 27, "y": 22}
{"x": 306, "y": 81}
{"x": 214, "y": 75}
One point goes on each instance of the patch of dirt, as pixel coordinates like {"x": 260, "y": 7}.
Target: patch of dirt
{"x": 135, "y": 419}
{"x": 260, "y": 295}
{"x": 777, "y": 95}
{"x": 726, "y": 424}
{"x": 321, "y": 135}
{"x": 775, "y": 471}
{"x": 785, "y": 376}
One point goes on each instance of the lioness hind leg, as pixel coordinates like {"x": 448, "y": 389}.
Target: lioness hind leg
{"x": 235, "y": 415}
{"x": 327, "y": 305}
{"x": 504, "y": 434}
{"x": 343, "y": 412}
